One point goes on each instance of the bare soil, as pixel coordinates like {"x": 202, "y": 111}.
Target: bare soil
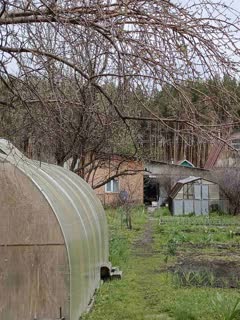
{"x": 143, "y": 246}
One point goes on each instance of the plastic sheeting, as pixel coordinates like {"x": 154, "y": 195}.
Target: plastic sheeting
{"x": 81, "y": 217}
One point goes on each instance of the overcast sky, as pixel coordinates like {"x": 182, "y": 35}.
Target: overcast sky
{"x": 236, "y": 4}
{"x": 232, "y": 3}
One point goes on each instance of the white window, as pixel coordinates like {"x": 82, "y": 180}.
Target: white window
{"x": 112, "y": 186}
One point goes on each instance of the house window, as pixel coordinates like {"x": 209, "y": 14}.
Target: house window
{"x": 112, "y": 186}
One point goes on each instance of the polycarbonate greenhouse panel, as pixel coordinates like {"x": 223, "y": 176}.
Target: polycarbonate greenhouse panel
{"x": 205, "y": 207}
{"x": 82, "y": 220}
{"x": 197, "y": 191}
{"x": 198, "y": 207}
{"x": 188, "y": 206}
{"x": 178, "y": 207}
{"x": 205, "y": 194}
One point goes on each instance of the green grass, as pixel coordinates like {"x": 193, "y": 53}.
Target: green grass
{"x": 147, "y": 290}
{"x": 162, "y": 212}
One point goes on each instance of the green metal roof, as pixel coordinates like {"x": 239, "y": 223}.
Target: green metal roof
{"x": 81, "y": 217}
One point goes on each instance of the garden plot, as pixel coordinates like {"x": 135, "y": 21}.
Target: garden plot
{"x": 200, "y": 272}
{"x": 206, "y": 250}
{"x": 179, "y": 268}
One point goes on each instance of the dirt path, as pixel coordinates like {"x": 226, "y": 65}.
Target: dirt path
{"x": 143, "y": 246}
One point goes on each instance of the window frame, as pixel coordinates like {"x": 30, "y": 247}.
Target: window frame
{"x": 188, "y": 191}
{"x": 112, "y": 186}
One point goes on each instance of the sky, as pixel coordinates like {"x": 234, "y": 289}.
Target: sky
{"x": 236, "y": 4}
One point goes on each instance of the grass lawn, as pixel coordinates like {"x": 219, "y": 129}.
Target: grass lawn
{"x": 173, "y": 268}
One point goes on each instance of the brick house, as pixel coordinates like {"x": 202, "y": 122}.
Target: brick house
{"x": 130, "y": 181}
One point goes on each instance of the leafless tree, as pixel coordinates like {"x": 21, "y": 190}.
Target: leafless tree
{"x": 57, "y": 54}
{"x": 229, "y": 182}
{"x": 128, "y": 200}
{"x": 161, "y": 41}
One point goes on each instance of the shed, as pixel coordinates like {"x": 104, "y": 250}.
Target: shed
{"x": 196, "y": 195}
{"x": 53, "y": 240}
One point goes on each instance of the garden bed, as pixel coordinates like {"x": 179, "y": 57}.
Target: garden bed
{"x": 200, "y": 272}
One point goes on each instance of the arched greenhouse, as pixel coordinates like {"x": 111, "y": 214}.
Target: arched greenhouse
{"x": 53, "y": 240}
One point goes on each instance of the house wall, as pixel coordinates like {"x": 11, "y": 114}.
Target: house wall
{"x": 176, "y": 171}
{"x": 132, "y": 184}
